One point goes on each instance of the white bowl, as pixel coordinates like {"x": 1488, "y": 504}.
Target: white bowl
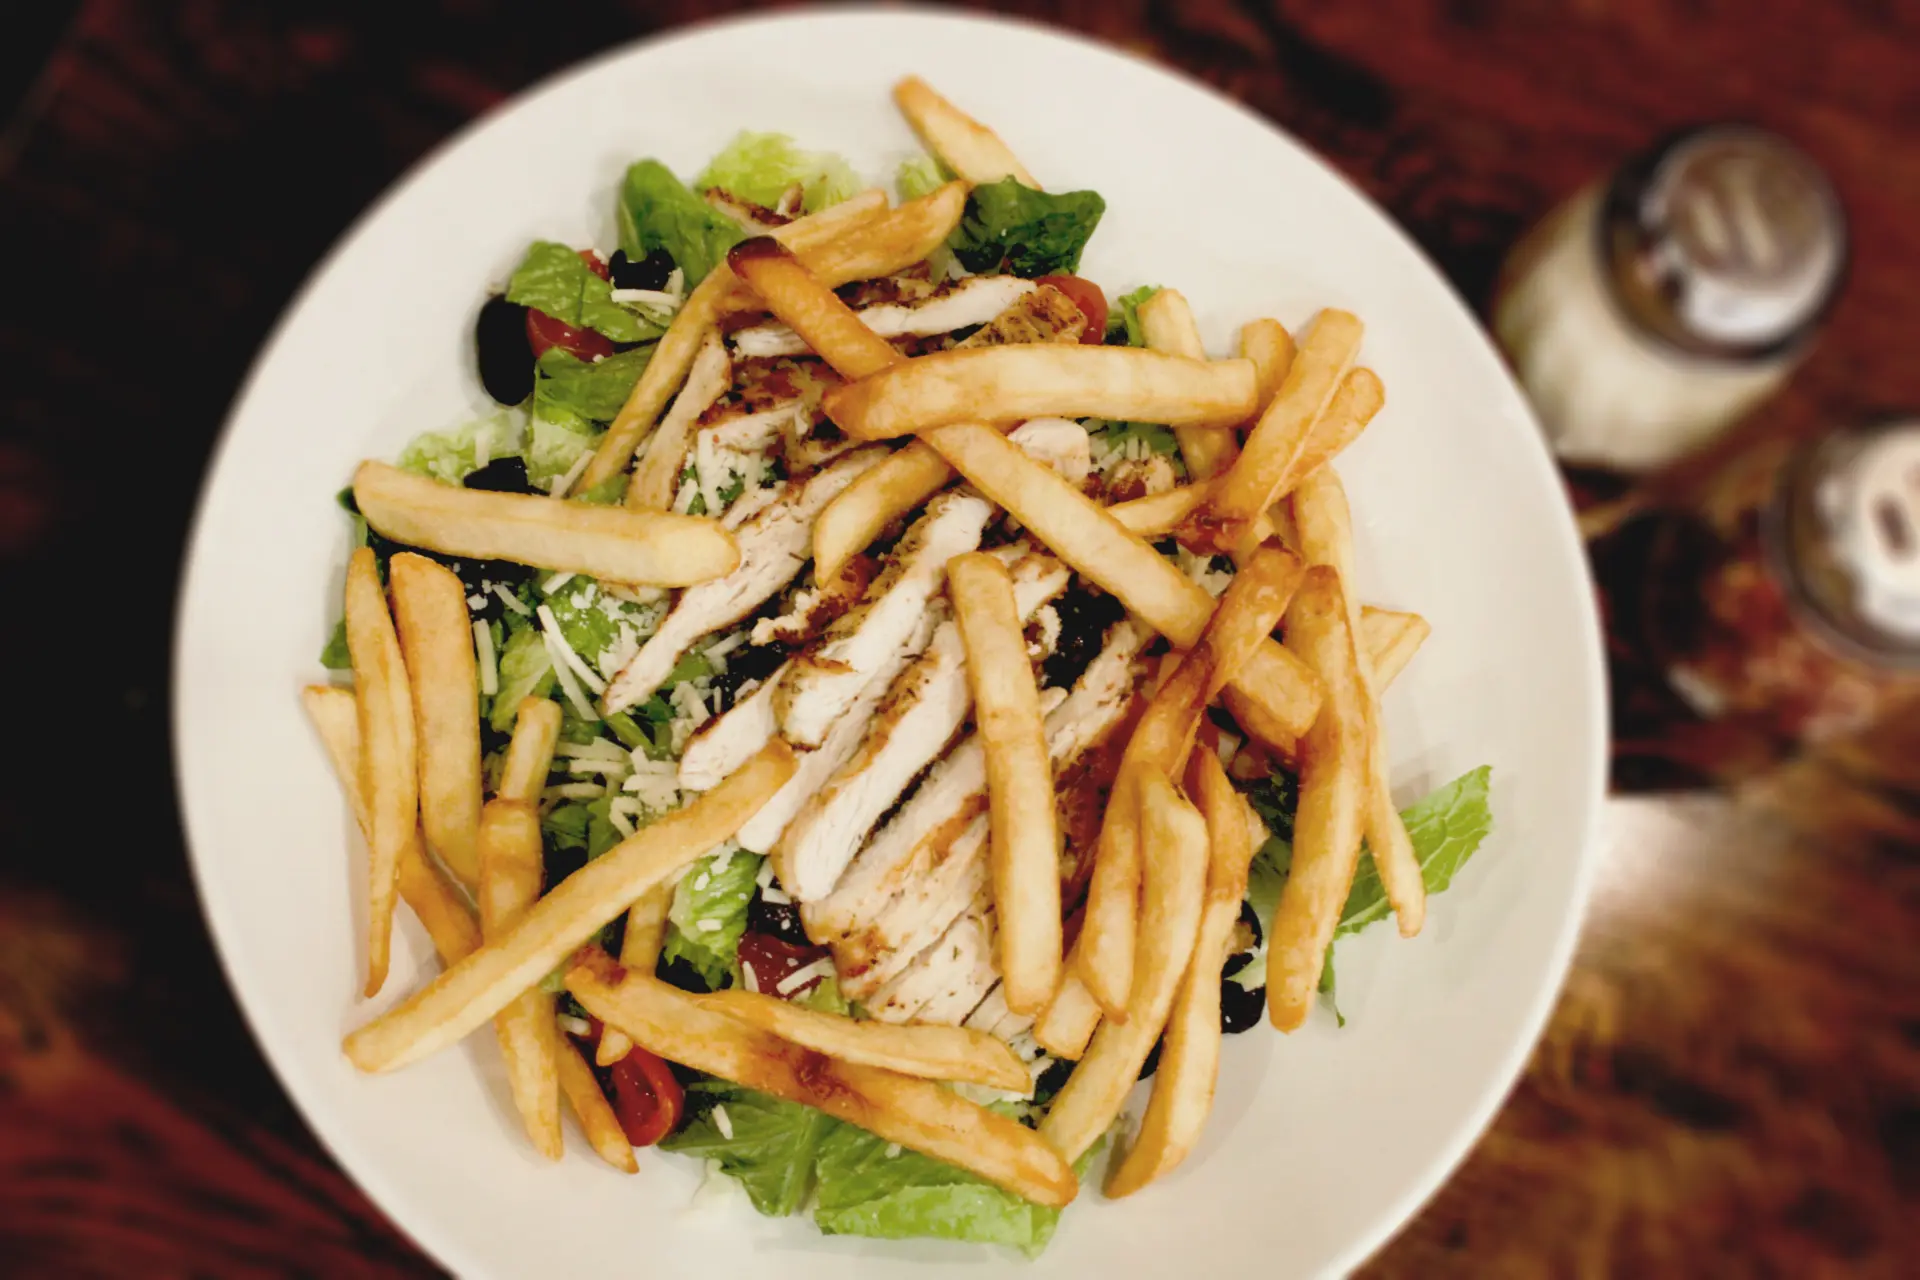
{"x": 1322, "y": 1142}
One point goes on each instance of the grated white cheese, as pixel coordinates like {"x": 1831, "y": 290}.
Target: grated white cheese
{"x": 683, "y": 501}
{"x": 621, "y": 822}
{"x": 708, "y": 926}
{"x": 627, "y": 805}
{"x": 821, "y": 968}
{"x": 776, "y": 896}
{"x": 565, "y": 483}
{"x": 554, "y": 583}
{"x": 510, "y": 600}
{"x": 487, "y": 660}
{"x": 723, "y": 1122}
{"x": 564, "y": 652}
{"x": 557, "y": 653}
{"x": 688, "y": 702}
{"x": 476, "y": 602}
{"x": 707, "y": 467}
{"x": 574, "y": 791}
{"x": 893, "y": 1149}
{"x": 764, "y": 876}
{"x": 574, "y": 1026}
{"x": 748, "y": 978}
{"x": 677, "y": 283}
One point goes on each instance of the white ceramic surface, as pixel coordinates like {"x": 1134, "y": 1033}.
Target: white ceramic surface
{"x": 1322, "y": 1142}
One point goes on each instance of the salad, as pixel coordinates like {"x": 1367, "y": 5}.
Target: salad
{"x": 865, "y": 699}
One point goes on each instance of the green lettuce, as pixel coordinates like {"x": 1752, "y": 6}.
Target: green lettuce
{"x": 556, "y": 438}
{"x": 526, "y": 671}
{"x": 600, "y": 628}
{"x": 449, "y": 455}
{"x": 1031, "y": 233}
{"x": 582, "y": 825}
{"x": 335, "y": 656}
{"x": 657, "y": 211}
{"x": 1123, "y": 322}
{"x": 564, "y": 383}
{"x": 709, "y": 913}
{"x": 761, "y": 168}
{"x": 554, "y": 279}
{"x": 773, "y": 1145}
{"x": 920, "y": 175}
{"x": 1115, "y": 435}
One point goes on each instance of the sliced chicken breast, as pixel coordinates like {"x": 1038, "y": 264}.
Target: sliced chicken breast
{"x": 977, "y": 300}
{"x": 1060, "y": 443}
{"x": 949, "y": 981}
{"x": 762, "y": 832}
{"x": 1045, "y": 315}
{"x": 826, "y": 680}
{"x": 656, "y": 472}
{"x": 993, "y": 1017}
{"x": 923, "y": 711}
{"x": 730, "y": 739}
{"x": 818, "y": 606}
{"x": 774, "y": 544}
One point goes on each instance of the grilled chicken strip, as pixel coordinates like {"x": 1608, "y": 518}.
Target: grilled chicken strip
{"x": 926, "y": 865}
{"x": 993, "y": 1017}
{"x": 977, "y": 300}
{"x": 774, "y": 544}
{"x": 729, "y": 740}
{"x": 1045, "y": 315}
{"x": 949, "y": 981}
{"x": 826, "y": 681}
{"x": 923, "y": 711}
{"x": 762, "y": 832}
{"x": 1061, "y": 443}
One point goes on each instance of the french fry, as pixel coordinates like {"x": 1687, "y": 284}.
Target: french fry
{"x": 1244, "y": 620}
{"x": 1360, "y": 397}
{"x": 1390, "y": 640}
{"x": 896, "y": 485}
{"x": 389, "y": 765}
{"x": 1254, "y": 481}
{"x": 1158, "y": 515}
{"x": 882, "y": 245}
{"x": 918, "y": 1114}
{"x": 1041, "y": 380}
{"x": 674, "y": 355}
{"x": 436, "y": 640}
{"x": 536, "y": 732}
{"x": 639, "y": 950}
{"x": 1166, "y": 321}
{"x": 450, "y": 924}
{"x": 962, "y": 143}
{"x": 1325, "y": 524}
{"x": 1333, "y": 802}
{"x": 510, "y": 874}
{"x": 781, "y": 280}
{"x": 480, "y": 986}
{"x": 656, "y": 476}
{"x": 930, "y": 1052}
{"x": 1190, "y": 1053}
{"x": 1268, "y": 344}
{"x": 1068, "y": 1023}
{"x": 1024, "y": 840}
{"x": 1174, "y": 848}
{"x": 655, "y": 548}
{"x": 1056, "y": 512}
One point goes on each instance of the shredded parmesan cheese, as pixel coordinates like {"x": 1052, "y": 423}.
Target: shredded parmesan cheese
{"x": 489, "y": 663}
{"x": 510, "y": 600}
{"x": 574, "y": 791}
{"x": 821, "y": 968}
{"x": 563, "y": 652}
{"x": 723, "y": 1122}
{"x": 567, "y": 481}
{"x": 621, "y": 822}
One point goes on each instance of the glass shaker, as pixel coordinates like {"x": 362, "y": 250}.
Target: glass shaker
{"x": 1659, "y": 307}
{"x": 1791, "y": 599}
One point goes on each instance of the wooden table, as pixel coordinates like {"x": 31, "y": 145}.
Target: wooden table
{"x": 1731, "y": 1085}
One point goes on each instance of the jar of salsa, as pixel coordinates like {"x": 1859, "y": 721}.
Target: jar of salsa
{"x": 1790, "y": 598}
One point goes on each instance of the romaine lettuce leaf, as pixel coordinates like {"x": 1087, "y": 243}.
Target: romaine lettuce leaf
{"x": 601, "y": 628}
{"x": 772, "y": 1148}
{"x": 335, "y": 656}
{"x": 449, "y": 455}
{"x": 1116, "y": 435}
{"x": 761, "y": 168}
{"x": 563, "y": 382}
{"x": 1033, "y": 233}
{"x": 1123, "y": 322}
{"x": 554, "y": 279}
{"x": 709, "y": 913}
{"x": 657, "y": 211}
{"x": 920, "y": 175}
{"x": 582, "y": 825}
{"x": 526, "y": 671}
{"x": 556, "y": 438}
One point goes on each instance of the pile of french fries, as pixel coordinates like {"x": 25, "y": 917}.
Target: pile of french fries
{"x": 1257, "y": 434}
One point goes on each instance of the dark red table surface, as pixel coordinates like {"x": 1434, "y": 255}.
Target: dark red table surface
{"x": 1731, "y": 1083}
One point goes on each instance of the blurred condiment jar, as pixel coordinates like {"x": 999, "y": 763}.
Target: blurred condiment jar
{"x": 1791, "y": 599}
{"x": 1655, "y": 309}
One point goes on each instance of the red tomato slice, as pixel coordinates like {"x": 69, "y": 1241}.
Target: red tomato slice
{"x": 544, "y": 333}
{"x": 1087, "y": 296}
{"x": 647, "y": 1097}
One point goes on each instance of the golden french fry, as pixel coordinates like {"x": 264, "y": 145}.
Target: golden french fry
{"x": 655, "y": 548}
{"x": 1253, "y": 483}
{"x": 901, "y": 481}
{"x": 1168, "y": 325}
{"x": 1068, "y": 1023}
{"x": 436, "y": 640}
{"x": 918, "y": 1114}
{"x": 1190, "y": 1053}
{"x": 1359, "y": 398}
{"x": 1024, "y": 839}
{"x": 1325, "y": 524}
{"x": 1040, "y": 380}
{"x": 1390, "y": 640}
{"x": 510, "y": 873}
{"x": 1244, "y": 621}
{"x": 656, "y": 477}
{"x": 449, "y": 922}
{"x": 389, "y": 765}
{"x": 639, "y": 950}
{"x": 930, "y": 1052}
{"x": 882, "y": 245}
{"x": 1333, "y": 801}
{"x": 1268, "y": 344}
{"x": 1159, "y": 514}
{"x": 480, "y": 986}
{"x": 793, "y": 293}
{"x": 536, "y": 732}
{"x": 963, "y": 144}
{"x": 674, "y": 355}
{"x": 1173, "y": 840}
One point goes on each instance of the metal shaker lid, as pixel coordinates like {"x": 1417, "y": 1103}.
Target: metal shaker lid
{"x": 1846, "y": 536}
{"x": 1725, "y": 241}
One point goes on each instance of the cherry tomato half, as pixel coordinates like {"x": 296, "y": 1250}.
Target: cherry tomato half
{"x": 773, "y": 960}
{"x": 544, "y": 332}
{"x": 594, "y": 264}
{"x": 646, "y": 1097}
{"x": 1086, "y": 295}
